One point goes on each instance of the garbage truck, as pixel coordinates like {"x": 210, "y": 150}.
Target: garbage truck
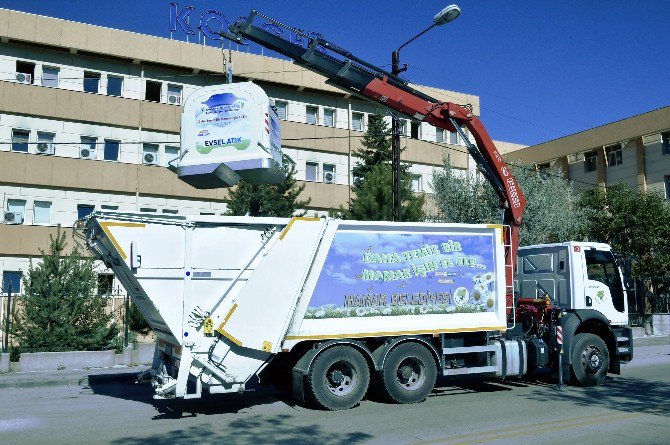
{"x": 323, "y": 306}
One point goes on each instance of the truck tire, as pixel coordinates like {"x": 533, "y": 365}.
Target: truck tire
{"x": 409, "y": 373}
{"x": 338, "y": 378}
{"x": 590, "y": 359}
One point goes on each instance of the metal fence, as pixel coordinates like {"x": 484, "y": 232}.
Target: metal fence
{"x": 651, "y": 296}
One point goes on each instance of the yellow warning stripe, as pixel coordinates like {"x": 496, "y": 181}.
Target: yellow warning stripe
{"x": 498, "y": 226}
{"x": 105, "y": 227}
{"x": 392, "y": 333}
{"x": 227, "y": 334}
{"x": 294, "y": 219}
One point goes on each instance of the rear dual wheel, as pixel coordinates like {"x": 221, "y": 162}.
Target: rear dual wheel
{"x": 409, "y": 373}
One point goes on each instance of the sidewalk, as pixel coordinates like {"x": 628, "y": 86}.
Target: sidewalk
{"x": 71, "y": 377}
{"x": 81, "y": 377}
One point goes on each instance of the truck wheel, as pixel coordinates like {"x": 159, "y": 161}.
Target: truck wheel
{"x": 409, "y": 373}
{"x": 338, "y": 378}
{"x": 590, "y": 359}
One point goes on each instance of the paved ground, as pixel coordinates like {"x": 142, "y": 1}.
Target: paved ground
{"x": 106, "y": 407}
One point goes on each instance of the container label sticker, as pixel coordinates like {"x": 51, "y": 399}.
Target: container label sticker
{"x": 222, "y": 121}
{"x": 378, "y": 274}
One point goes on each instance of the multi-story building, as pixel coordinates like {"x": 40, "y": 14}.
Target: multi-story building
{"x": 635, "y": 151}
{"x": 90, "y": 118}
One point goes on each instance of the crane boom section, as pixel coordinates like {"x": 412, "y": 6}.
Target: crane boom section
{"x": 369, "y": 82}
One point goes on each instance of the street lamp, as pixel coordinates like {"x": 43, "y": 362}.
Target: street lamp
{"x": 446, "y": 15}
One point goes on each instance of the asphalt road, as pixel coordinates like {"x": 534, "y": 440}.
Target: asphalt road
{"x": 633, "y": 408}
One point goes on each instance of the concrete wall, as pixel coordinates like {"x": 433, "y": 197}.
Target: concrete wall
{"x": 142, "y": 354}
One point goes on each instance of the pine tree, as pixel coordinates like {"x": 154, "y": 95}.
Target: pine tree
{"x": 373, "y": 185}
{"x": 267, "y": 199}
{"x": 60, "y": 310}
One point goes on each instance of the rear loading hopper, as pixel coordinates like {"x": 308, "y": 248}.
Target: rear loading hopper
{"x": 225, "y": 295}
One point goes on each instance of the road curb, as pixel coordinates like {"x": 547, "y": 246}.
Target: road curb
{"x": 81, "y": 378}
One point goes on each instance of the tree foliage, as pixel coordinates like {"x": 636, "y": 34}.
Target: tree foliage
{"x": 60, "y": 310}
{"x": 136, "y": 320}
{"x": 552, "y": 213}
{"x": 267, "y": 199}
{"x": 633, "y": 223}
{"x": 373, "y": 185}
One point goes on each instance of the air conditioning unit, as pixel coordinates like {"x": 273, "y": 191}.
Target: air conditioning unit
{"x": 87, "y": 153}
{"x": 45, "y": 148}
{"x": 150, "y": 158}
{"x": 174, "y": 99}
{"x": 329, "y": 177}
{"x": 13, "y": 218}
{"x": 24, "y": 78}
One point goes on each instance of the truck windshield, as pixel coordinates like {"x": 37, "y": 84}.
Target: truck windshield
{"x": 601, "y": 266}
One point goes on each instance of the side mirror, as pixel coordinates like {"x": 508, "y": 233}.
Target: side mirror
{"x": 628, "y": 274}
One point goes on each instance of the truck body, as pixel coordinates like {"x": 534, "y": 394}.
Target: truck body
{"x": 231, "y": 298}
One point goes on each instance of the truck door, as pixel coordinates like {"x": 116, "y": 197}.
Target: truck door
{"x": 603, "y": 286}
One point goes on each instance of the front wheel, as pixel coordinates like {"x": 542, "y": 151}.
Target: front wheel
{"x": 338, "y": 378}
{"x": 409, "y": 373}
{"x": 590, "y": 359}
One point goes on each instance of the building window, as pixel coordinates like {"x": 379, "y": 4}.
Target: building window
{"x": 147, "y": 210}
{"x": 402, "y": 124}
{"x": 329, "y": 117}
{"x": 171, "y": 153}
{"x": 417, "y": 184}
{"x": 174, "y": 94}
{"x": 91, "y": 82}
{"x": 453, "y": 138}
{"x": 105, "y": 284}
{"x": 415, "y": 130}
{"x": 311, "y": 171}
{"x": 439, "y": 135}
{"x": 20, "y": 140}
{"x": 25, "y": 71}
{"x": 667, "y": 188}
{"x": 11, "y": 282}
{"x": 312, "y": 115}
{"x": 83, "y": 210}
{"x": 17, "y": 206}
{"x": 114, "y": 85}
{"x": 614, "y": 155}
{"x": 49, "y": 76}
{"x": 170, "y": 211}
{"x": 357, "y": 121}
{"x": 281, "y": 108}
{"x": 42, "y": 212}
{"x": 152, "y": 91}
{"x": 109, "y": 207}
{"x": 665, "y": 141}
{"x": 329, "y": 173}
{"x": 111, "y": 150}
{"x": 590, "y": 161}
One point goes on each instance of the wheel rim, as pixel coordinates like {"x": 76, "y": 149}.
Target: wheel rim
{"x": 341, "y": 378}
{"x": 411, "y": 374}
{"x": 592, "y": 359}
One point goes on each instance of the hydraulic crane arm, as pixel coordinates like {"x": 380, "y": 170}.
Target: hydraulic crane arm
{"x": 360, "y": 78}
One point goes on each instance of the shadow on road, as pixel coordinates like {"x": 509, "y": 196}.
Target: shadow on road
{"x": 617, "y": 393}
{"x": 279, "y": 429}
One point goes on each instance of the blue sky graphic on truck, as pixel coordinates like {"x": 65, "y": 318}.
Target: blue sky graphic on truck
{"x": 378, "y": 274}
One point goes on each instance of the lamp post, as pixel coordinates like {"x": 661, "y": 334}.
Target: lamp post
{"x": 446, "y": 15}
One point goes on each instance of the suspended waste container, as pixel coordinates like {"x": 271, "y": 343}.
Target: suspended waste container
{"x": 230, "y": 132}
